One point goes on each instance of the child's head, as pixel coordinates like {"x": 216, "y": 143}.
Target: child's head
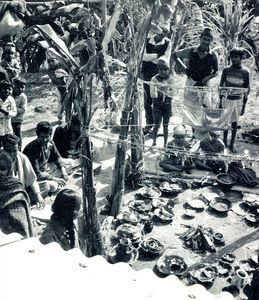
{"x": 163, "y": 68}
{"x": 236, "y": 55}
{"x": 53, "y": 62}
{"x": 67, "y": 205}
{"x": 9, "y": 53}
{"x": 19, "y": 85}
{"x": 6, "y": 89}
{"x": 179, "y": 134}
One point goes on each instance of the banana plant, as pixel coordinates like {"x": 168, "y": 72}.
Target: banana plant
{"x": 229, "y": 21}
{"x": 80, "y": 94}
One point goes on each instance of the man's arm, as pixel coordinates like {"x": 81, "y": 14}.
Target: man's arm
{"x": 245, "y": 97}
{"x": 56, "y": 158}
{"x": 179, "y": 55}
{"x": 36, "y": 190}
{"x": 215, "y": 69}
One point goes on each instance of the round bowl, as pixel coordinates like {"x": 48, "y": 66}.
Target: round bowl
{"x": 218, "y": 238}
{"x": 220, "y": 205}
{"x": 225, "y": 181}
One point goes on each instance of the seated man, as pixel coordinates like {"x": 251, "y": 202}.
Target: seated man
{"x": 66, "y": 138}
{"x": 22, "y": 169}
{"x": 46, "y": 160}
{"x": 179, "y": 162}
{"x": 68, "y": 142}
{"x": 211, "y": 145}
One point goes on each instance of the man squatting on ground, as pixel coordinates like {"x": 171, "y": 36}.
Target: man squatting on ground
{"x": 46, "y": 160}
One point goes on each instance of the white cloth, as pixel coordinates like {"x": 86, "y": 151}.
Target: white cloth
{"x": 5, "y": 121}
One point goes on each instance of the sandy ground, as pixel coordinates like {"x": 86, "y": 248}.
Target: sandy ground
{"x": 232, "y": 226}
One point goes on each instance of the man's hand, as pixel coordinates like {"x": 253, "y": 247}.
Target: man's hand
{"x": 64, "y": 174}
{"x": 40, "y": 203}
{"x": 4, "y": 111}
{"x": 61, "y": 182}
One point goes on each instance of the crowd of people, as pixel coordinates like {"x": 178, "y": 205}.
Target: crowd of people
{"x": 40, "y": 168}
{"x": 200, "y": 65}
{"x": 30, "y": 173}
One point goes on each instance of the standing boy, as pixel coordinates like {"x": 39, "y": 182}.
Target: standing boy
{"x": 157, "y": 45}
{"x": 21, "y": 105}
{"x": 235, "y": 76}
{"x": 160, "y": 91}
{"x": 7, "y": 108}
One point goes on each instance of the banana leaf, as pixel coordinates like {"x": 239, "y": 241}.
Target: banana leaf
{"x": 55, "y": 41}
{"x": 111, "y": 27}
{"x": 90, "y": 44}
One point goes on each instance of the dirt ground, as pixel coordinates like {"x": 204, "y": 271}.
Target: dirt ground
{"x": 240, "y": 238}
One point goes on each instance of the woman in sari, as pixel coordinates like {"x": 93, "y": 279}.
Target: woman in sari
{"x": 14, "y": 201}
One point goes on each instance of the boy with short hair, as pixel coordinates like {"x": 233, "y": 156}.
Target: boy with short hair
{"x": 214, "y": 145}
{"x": 161, "y": 91}
{"x": 46, "y": 160}
{"x": 235, "y": 76}
{"x": 7, "y": 108}
{"x": 21, "y": 105}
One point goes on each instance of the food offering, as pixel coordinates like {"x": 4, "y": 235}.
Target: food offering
{"x": 170, "y": 264}
{"x": 251, "y": 219}
{"x": 123, "y": 252}
{"x": 220, "y": 205}
{"x": 199, "y": 239}
{"x": 224, "y": 268}
{"x": 168, "y": 188}
{"x": 129, "y": 217}
{"x": 204, "y": 273}
{"x": 163, "y": 215}
{"x": 189, "y": 213}
{"x": 151, "y": 247}
{"x": 134, "y": 233}
{"x": 141, "y": 205}
{"x": 228, "y": 257}
{"x": 159, "y": 202}
{"x": 148, "y": 192}
{"x": 225, "y": 181}
{"x": 197, "y": 204}
{"x": 219, "y": 239}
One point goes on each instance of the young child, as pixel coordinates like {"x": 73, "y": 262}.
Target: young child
{"x": 161, "y": 91}
{"x": 235, "y": 76}
{"x": 211, "y": 144}
{"x": 61, "y": 228}
{"x": 21, "y": 105}
{"x": 178, "y": 162}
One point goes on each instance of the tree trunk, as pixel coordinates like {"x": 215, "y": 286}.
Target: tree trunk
{"x": 117, "y": 189}
{"x": 93, "y": 236}
{"x": 137, "y": 163}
